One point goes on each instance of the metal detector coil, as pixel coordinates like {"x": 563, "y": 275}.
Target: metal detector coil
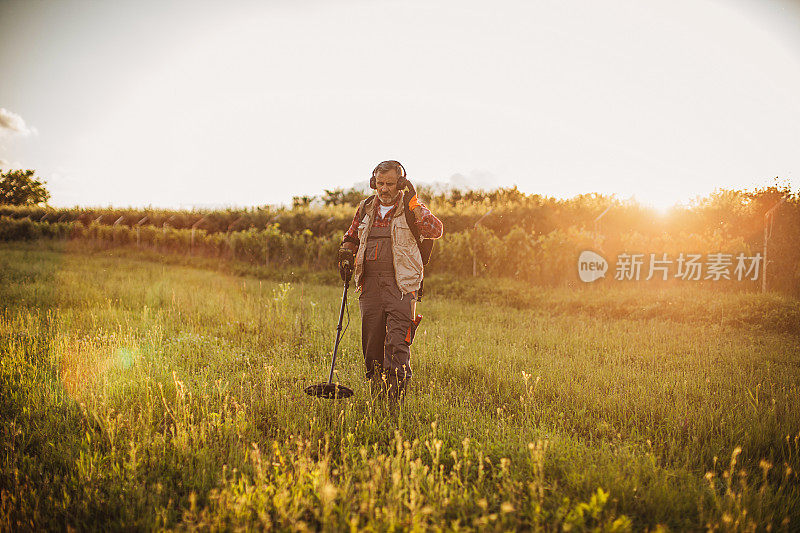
{"x": 331, "y": 390}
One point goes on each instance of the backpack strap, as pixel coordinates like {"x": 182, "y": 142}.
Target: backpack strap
{"x": 425, "y": 247}
{"x": 411, "y": 220}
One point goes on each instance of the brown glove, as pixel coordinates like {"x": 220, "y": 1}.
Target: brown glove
{"x": 345, "y": 259}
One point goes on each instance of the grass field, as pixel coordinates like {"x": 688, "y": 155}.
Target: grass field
{"x": 137, "y": 394}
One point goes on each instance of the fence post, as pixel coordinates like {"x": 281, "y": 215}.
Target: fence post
{"x": 166, "y": 224}
{"x": 266, "y": 244}
{"x": 474, "y": 253}
{"x": 164, "y": 227}
{"x": 138, "y": 224}
{"x": 266, "y": 236}
{"x": 191, "y": 246}
{"x": 597, "y": 228}
{"x": 116, "y": 222}
{"x": 97, "y": 220}
{"x": 228, "y": 237}
{"x": 769, "y": 220}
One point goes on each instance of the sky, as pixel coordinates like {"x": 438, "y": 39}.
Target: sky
{"x": 211, "y": 104}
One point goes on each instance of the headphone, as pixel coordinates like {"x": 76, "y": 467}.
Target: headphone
{"x": 401, "y": 180}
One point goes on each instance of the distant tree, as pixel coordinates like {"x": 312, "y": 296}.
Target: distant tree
{"x": 301, "y": 201}
{"x": 350, "y": 197}
{"x": 20, "y": 187}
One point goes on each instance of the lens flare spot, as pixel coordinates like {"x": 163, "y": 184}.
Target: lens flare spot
{"x": 125, "y": 357}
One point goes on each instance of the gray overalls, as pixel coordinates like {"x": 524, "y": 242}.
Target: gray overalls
{"x": 386, "y": 315}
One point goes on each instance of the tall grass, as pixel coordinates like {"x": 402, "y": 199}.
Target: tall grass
{"x": 142, "y": 395}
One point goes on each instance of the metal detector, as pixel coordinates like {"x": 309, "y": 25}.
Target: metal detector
{"x": 331, "y": 390}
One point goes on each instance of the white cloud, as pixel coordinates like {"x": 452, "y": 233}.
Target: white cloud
{"x": 476, "y": 179}
{"x": 11, "y": 122}
{"x": 8, "y": 165}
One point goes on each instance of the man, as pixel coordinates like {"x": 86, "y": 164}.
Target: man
{"x": 388, "y": 270}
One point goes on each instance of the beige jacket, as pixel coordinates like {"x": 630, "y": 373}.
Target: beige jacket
{"x": 405, "y": 252}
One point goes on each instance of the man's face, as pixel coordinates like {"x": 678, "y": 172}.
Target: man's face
{"x": 386, "y": 183}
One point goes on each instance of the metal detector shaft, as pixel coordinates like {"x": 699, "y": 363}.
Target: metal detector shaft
{"x": 339, "y": 327}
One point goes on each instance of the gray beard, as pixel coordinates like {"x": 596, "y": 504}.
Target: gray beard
{"x": 392, "y": 201}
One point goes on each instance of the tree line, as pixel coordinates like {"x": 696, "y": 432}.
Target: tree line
{"x": 503, "y": 232}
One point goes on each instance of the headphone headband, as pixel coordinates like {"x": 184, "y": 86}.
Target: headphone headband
{"x": 401, "y": 180}
{"x": 398, "y": 163}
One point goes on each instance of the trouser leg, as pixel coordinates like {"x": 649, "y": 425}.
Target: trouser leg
{"x": 373, "y": 327}
{"x": 397, "y": 353}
